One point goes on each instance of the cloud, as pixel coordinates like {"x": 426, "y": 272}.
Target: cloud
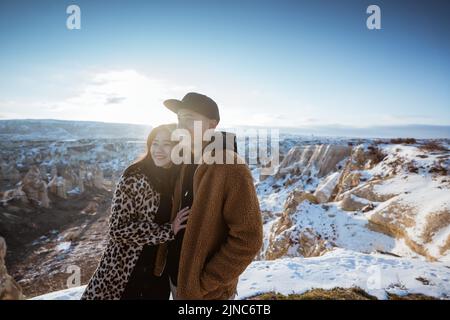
{"x": 111, "y": 96}
{"x": 115, "y": 100}
{"x": 119, "y": 96}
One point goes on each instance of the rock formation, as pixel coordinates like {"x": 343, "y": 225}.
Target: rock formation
{"x": 9, "y": 172}
{"x": 311, "y": 160}
{"x": 9, "y": 289}
{"x": 58, "y": 187}
{"x": 286, "y": 238}
{"x": 35, "y": 188}
{"x": 326, "y": 187}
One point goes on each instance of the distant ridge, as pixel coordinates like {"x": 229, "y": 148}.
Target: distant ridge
{"x": 49, "y": 129}
{"x": 417, "y": 131}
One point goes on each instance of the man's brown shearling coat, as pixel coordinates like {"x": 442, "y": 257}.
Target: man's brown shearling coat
{"x": 223, "y": 232}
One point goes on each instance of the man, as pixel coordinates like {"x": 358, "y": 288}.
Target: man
{"x": 224, "y": 229}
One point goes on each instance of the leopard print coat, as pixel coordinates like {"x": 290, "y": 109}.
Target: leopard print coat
{"x": 132, "y": 225}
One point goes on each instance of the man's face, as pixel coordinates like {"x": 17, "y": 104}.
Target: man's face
{"x": 187, "y": 118}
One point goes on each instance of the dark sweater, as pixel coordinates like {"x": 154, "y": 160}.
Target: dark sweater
{"x": 187, "y": 197}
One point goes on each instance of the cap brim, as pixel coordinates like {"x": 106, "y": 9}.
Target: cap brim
{"x": 173, "y": 105}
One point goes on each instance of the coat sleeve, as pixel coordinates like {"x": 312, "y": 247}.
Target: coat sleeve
{"x": 122, "y": 228}
{"x": 244, "y": 240}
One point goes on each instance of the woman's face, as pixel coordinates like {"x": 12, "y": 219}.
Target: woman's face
{"x": 161, "y": 148}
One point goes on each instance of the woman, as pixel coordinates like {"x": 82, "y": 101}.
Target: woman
{"x": 139, "y": 222}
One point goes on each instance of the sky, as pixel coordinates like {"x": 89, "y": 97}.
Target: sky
{"x": 266, "y": 63}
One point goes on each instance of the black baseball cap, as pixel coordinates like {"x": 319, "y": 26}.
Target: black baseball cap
{"x": 196, "y": 102}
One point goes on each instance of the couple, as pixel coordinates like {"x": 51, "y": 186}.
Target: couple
{"x": 188, "y": 229}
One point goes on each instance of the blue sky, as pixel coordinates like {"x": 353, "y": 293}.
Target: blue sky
{"x": 266, "y": 63}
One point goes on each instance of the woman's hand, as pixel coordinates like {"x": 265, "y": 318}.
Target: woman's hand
{"x": 179, "y": 222}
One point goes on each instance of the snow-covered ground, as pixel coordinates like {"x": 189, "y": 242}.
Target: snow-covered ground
{"x": 67, "y": 294}
{"x": 376, "y": 274}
